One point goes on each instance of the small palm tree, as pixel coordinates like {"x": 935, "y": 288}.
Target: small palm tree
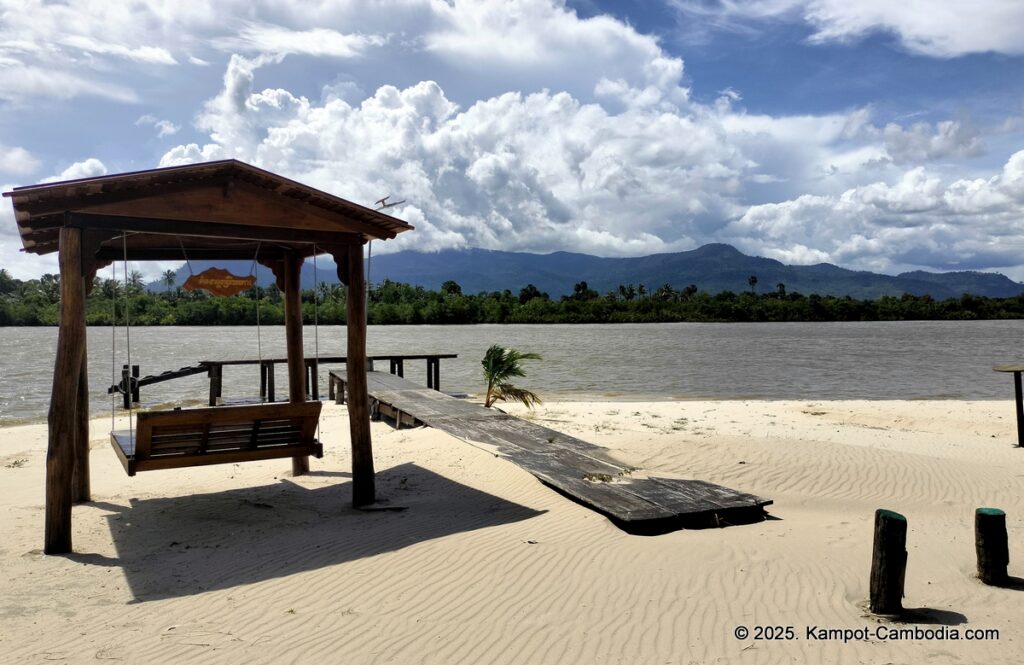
{"x": 500, "y": 365}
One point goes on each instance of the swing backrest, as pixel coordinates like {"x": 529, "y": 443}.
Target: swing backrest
{"x": 219, "y": 435}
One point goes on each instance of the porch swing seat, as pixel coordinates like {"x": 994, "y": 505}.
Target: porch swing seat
{"x": 218, "y": 435}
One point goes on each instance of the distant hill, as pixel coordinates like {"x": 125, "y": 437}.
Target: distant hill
{"x": 713, "y": 268}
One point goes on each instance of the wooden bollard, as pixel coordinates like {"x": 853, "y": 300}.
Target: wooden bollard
{"x": 126, "y": 390}
{"x": 888, "y": 562}
{"x": 135, "y": 384}
{"x": 991, "y": 544}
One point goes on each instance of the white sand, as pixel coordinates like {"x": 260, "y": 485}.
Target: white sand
{"x": 240, "y": 564}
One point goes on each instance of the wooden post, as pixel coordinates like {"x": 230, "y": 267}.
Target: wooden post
{"x": 216, "y": 374}
{"x": 363, "y": 492}
{"x": 990, "y": 543}
{"x": 126, "y": 388}
{"x": 63, "y": 420}
{"x": 83, "y": 490}
{"x": 888, "y": 562}
{"x": 135, "y": 384}
{"x": 437, "y": 374}
{"x": 293, "y": 342}
{"x": 271, "y": 386}
{"x": 263, "y": 381}
{"x": 1020, "y": 408}
{"x": 430, "y": 373}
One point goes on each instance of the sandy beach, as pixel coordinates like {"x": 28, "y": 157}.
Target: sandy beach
{"x": 244, "y": 564}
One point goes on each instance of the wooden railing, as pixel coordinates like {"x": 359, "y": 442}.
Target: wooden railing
{"x": 131, "y": 383}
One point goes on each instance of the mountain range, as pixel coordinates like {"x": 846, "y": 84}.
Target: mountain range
{"x": 712, "y": 268}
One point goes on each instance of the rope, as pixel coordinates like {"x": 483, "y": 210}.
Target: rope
{"x": 113, "y": 344}
{"x": 185, "y": 254}
{"x": 128, "y": 331}
{"x": 255, "y": 270}
{"x": 369, "y": 260}
{"x": 316, "y": 330}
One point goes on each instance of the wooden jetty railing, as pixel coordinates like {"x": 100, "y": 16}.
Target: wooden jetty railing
{"x": 131, "y": 382}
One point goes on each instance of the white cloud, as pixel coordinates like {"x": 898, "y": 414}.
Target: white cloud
{"x": 941, "y": 29}
{"x": 149, "y": 54}
{"x": 944, "y": 29}
{"x": 533, "y": 172}
{"x": 547, "y": 171}
{"x": 586, "y": 137}
{"x": 89, "y": 168}
{"x": 265, "y": 38}
{"x": 21, "y": 84}
{"x": 17, "y": 161}
{"x": 919, "y": 221}
{"x": 163, "y": 127}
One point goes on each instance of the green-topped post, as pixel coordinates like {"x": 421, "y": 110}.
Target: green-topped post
{"x": 888, "y": 562}
{"x": 991, "y": 544}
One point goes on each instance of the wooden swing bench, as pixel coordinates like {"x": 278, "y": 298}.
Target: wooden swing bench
{"x": 218, "y": 435}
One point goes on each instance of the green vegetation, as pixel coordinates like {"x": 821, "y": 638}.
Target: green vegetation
{"x": 501, "y": 365}
{"x": 36, "y": 302}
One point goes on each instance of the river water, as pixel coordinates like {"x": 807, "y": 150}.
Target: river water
{"x": 879, "y": 360}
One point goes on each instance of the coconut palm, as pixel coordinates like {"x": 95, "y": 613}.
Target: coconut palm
{"x": 500, "y": 365}
{"x": 168, "y": 278}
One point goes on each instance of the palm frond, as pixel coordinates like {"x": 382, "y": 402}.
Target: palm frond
{"x": 506, "y": 392}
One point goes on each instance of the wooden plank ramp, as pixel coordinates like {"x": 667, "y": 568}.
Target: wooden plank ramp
{"x": 580, "y": 470}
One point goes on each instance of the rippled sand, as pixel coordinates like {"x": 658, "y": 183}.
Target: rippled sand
{"x": 241, "y": 563}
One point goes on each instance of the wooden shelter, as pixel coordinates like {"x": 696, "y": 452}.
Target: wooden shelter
{"x": 216, "y": 210}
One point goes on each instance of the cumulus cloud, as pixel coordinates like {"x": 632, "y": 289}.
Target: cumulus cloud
{"x": 547, "y": 171}
{"x": 939, "y": 29}
{"x": 918, "y": 221}
{"x": 89, "y": 168}
{"x": 536, "y": 172}
{"x": 585, "y": 136}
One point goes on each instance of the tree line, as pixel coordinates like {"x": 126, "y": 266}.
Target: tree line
{"x": 36, "y": 302}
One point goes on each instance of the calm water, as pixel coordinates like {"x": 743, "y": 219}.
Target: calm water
{"x": 666, "y": 361}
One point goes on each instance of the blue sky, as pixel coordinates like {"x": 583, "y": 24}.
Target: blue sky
{"x": 875, "y": 135}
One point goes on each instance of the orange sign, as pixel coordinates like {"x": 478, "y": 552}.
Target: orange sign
{"x": 219, "y": 282}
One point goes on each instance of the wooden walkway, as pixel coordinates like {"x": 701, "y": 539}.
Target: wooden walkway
{"x": 580, "y": 470}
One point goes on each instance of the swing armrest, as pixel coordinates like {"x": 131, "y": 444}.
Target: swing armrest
{"x": 123, "y": 442}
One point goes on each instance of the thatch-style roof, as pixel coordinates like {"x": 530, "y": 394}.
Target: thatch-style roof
{"x": 222, "y": 209}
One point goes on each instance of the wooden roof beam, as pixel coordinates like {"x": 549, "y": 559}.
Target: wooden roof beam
{"x": 178, "y": 227}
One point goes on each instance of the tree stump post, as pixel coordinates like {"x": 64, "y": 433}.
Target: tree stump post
{"x": 297, "y": 374}
{"x": 64, "y": 432}
{"x": 991, "y": 545}
{"x": 888, "y": 562}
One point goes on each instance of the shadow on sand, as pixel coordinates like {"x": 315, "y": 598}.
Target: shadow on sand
{"x": 179, "y": 546}
{"x": 930, "y": 616}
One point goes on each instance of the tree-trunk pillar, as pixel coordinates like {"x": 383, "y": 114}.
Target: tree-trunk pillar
{"x": 293, "y": 341}
{"x": 83, "y": 490}
{"x": 363, "y": 492}
{"x": 63, "y": 422}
